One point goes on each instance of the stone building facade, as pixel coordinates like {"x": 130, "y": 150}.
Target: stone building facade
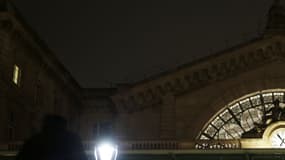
{"x": 33, "y": 82}
{"x": 222, "y": 97}
{"x": 212, "y": 102}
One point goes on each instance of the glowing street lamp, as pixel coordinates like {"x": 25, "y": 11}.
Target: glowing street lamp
{"x": 106, "y": 151}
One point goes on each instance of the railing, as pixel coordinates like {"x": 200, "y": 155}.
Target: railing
{"x": 12, "y": 146}
{"x": 173, "y": 145}
{"x": 217, "y": 144}
{"x": 139, "y": 145}
{"x": 3, "y": 147}
{"x": 151, "y": 145}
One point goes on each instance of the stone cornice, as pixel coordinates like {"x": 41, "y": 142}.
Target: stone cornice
{"x": 194, "y": 76}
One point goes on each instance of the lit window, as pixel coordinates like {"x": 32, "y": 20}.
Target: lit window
{"x": 242, "y": 115}
{"x": 16, "y": 75}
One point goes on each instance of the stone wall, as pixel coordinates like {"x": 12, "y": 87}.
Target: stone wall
{"x": 44, "y": 86}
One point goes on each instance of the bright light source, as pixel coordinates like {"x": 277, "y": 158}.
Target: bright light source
{"x": 106, "y": 151}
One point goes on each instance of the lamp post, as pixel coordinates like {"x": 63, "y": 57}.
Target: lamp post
{"x": 106, "y": 150}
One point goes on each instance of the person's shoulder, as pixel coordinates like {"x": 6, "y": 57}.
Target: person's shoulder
{"x": 71, "y": 135}
{"x": 35, "y": 138}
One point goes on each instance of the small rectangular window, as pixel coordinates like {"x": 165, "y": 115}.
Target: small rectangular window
{"x": 12, "y": 117}
{"x": 11, "y": 133}
{"x": 16, "y": 75}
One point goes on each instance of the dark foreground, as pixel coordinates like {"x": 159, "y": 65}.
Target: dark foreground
{"x": 255, "y": 154}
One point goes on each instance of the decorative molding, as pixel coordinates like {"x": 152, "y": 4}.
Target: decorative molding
{"x": 199, "y": 75}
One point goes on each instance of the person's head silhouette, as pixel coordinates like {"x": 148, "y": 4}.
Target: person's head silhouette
{"x": 54, "y": 123}
{"x": 54, "y": 142}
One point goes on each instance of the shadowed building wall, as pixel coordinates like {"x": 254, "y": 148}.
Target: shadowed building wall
{"x": 33, "y": 82}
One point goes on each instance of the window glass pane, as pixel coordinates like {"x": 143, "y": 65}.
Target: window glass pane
{"x": 230, "y": 131}
{"x": 268, "y": 106}
{"x": 235, "y": 108}
{"x": 259, "y": 108}
{"x": 255, "y": 100}
{"x": 211, "y": 131}
{"x": 204, "y": 137}
{"x": 238, "y": 117}
{"x": 282, "y": 105}
{"x": 279, "y": 96}
{"x": 16, "y": 74}
{"x": 267, "y": 98}
{"x": 226, "y": 115}
{"x": 256, "y": 115}
{"x": 223, "y": 134}
{"x": 250, "y": 117}
{"x": 245, "y": 104}
{"x": 234, "y": 130}
{"x": 217, "y": 122}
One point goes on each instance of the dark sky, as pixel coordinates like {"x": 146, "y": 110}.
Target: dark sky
{"x": 114, "y": 41}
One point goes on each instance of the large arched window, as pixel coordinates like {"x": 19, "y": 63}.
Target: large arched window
{"x": 241, "y": 115}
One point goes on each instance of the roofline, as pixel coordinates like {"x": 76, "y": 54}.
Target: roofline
{"x": 49, "y": 53}
{"x": 195, "y": 62}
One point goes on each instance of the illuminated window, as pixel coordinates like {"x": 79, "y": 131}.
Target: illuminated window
{"x": 241, "y": 115}
{"x": 16, "y": 75}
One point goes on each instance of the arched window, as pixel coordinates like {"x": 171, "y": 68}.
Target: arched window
{"x": 241, "y": 115}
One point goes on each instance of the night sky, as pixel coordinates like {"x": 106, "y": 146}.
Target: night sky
{"x": 116, "y": 41}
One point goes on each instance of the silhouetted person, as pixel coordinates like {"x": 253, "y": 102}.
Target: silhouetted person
{"x": 54, "y": 142}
